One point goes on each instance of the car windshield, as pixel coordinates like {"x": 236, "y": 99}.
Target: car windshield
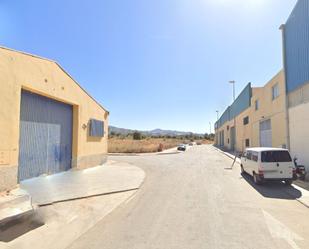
{"x": 276, "y": 156}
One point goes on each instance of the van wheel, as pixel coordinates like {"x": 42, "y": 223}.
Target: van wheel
{"x": 256, "y": 179}
{"x": 242, "y": 169}
{"x": 288, "y": 182}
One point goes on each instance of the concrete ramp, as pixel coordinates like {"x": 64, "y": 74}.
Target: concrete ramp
{"x": 76, "y": 184}
{"x": 16, "y": 204}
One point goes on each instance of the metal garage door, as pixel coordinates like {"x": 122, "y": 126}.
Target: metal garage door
{"x": 265, "y": 134}
{"x": 45, "y": 145}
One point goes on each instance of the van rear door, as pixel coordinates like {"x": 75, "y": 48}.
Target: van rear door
{"x": 277, "y": 164}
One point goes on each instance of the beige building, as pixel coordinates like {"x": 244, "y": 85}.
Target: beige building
{"x": 48, "y": 123}
{"x": 261, "y": 121}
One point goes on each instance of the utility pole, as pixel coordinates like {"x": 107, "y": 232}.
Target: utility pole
{"x": 216, "y": 128}
{"x": 233, "y": 82}
{"x": 209, "y": 128}
{"x": 234, "y": 139}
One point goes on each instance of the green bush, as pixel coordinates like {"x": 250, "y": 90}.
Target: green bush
{"x": 137, "y": 135}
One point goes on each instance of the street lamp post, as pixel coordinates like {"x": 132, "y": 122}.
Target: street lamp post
{"x": 234, "y": 128}
{"x": 209, "y": 128}
{"x": 233, "y": 82}
{"x": 216, "y": 128}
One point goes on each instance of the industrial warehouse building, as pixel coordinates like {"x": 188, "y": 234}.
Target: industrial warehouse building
{"x": 256, "y": 118}
{"x": 283, "y": 104}
{"x": 48, "y": 123}
{"x": 296, "y": 65}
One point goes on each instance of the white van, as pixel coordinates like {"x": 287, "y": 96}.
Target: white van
{"x": 268, "y": 164}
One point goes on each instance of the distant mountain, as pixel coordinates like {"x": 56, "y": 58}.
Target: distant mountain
{"x": 155, "y": 132}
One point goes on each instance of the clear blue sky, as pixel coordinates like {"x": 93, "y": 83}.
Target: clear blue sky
{"x": 154, "y": 63}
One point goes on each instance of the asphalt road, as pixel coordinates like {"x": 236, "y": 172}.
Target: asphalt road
{"x": 190, "y": 201}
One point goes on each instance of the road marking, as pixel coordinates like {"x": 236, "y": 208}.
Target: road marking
{"x": 279, "y": 230}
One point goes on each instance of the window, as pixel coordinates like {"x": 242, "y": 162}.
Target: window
{"x": 257, "y": 104}
{"x": 249, "y": 155}
{"x": 228, "y": 140}
{"x": 275, "y": 91}
{"x": 228, "y": 127}
{"x": 247, "y": 142}
{"x": 276, "y": 156}
{"x": 255, "y": 156}
{"x": 246, "y": 120}
{"x": 96, "y": 128}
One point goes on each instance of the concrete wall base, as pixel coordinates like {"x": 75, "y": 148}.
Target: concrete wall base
{"x": 8, "y": 179}
{"x": 84, "y": 162}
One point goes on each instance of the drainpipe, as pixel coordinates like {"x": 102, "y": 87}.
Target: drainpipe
{"x": 288, "y": 143}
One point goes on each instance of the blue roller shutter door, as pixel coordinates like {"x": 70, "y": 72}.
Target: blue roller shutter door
{"x": 45, "y": 136}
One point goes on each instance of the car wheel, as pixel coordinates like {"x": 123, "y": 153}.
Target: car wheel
{"x": 242, "y": 169}
{"x": 256, "y": 179}
{"x": 288, "y": 182}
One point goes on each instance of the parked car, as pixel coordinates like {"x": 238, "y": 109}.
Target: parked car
{"x": 268, "y": 164}
{"x": 182, "y": 147}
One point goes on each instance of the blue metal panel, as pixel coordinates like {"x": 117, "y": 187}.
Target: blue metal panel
{"x": 296, "y": 37}
{"x": 45, "y": 136}
{"x": 242, "y": 102}
{"x": 225, "y": 117}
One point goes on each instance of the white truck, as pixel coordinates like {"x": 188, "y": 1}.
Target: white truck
{"x": 268, "y": 164}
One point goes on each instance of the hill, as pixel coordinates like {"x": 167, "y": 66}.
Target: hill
{"x": 155, "y": 132}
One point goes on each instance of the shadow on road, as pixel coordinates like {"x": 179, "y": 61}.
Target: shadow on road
{"x": 277, "y": 190}
{"x": 18, "y": 227}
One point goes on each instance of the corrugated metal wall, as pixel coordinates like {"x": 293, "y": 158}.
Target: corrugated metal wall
{"x": 242, "y": 102}
{"x": 45, "y": 145}
{"x": 297, "y": 46}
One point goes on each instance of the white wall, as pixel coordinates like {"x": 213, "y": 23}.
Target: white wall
{"x": 299, "y": 133}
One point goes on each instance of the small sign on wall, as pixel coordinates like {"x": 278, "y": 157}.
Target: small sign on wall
{"x": 96, "y": 128}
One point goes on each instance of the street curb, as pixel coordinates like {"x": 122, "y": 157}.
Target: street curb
{"x": 144, "y": 154}
{"x": 89, "y": 196}
{"x": 226, "y": 154}
{"x": 298, "y": 199}
{"x": 13, "y": 207}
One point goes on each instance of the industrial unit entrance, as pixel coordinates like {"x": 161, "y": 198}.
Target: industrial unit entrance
{"x": 45, "y": 145}
{"x": 265, "y": 133}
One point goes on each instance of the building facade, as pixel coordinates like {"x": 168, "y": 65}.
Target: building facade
{"x": 296, "y": 64}
{"x": 48, "y": 123}
{"x": 256, "y": 118}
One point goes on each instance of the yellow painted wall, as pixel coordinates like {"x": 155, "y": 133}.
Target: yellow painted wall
{"x": 21, "y": 71}
{"x": 226, "y": 128}
{"x": 268, "y": 109}
{"x": 243, "y": 132}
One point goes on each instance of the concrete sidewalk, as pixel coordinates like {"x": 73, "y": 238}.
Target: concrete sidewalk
{"x": 228, "y": 154}
{"x": 64, "y": 208}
